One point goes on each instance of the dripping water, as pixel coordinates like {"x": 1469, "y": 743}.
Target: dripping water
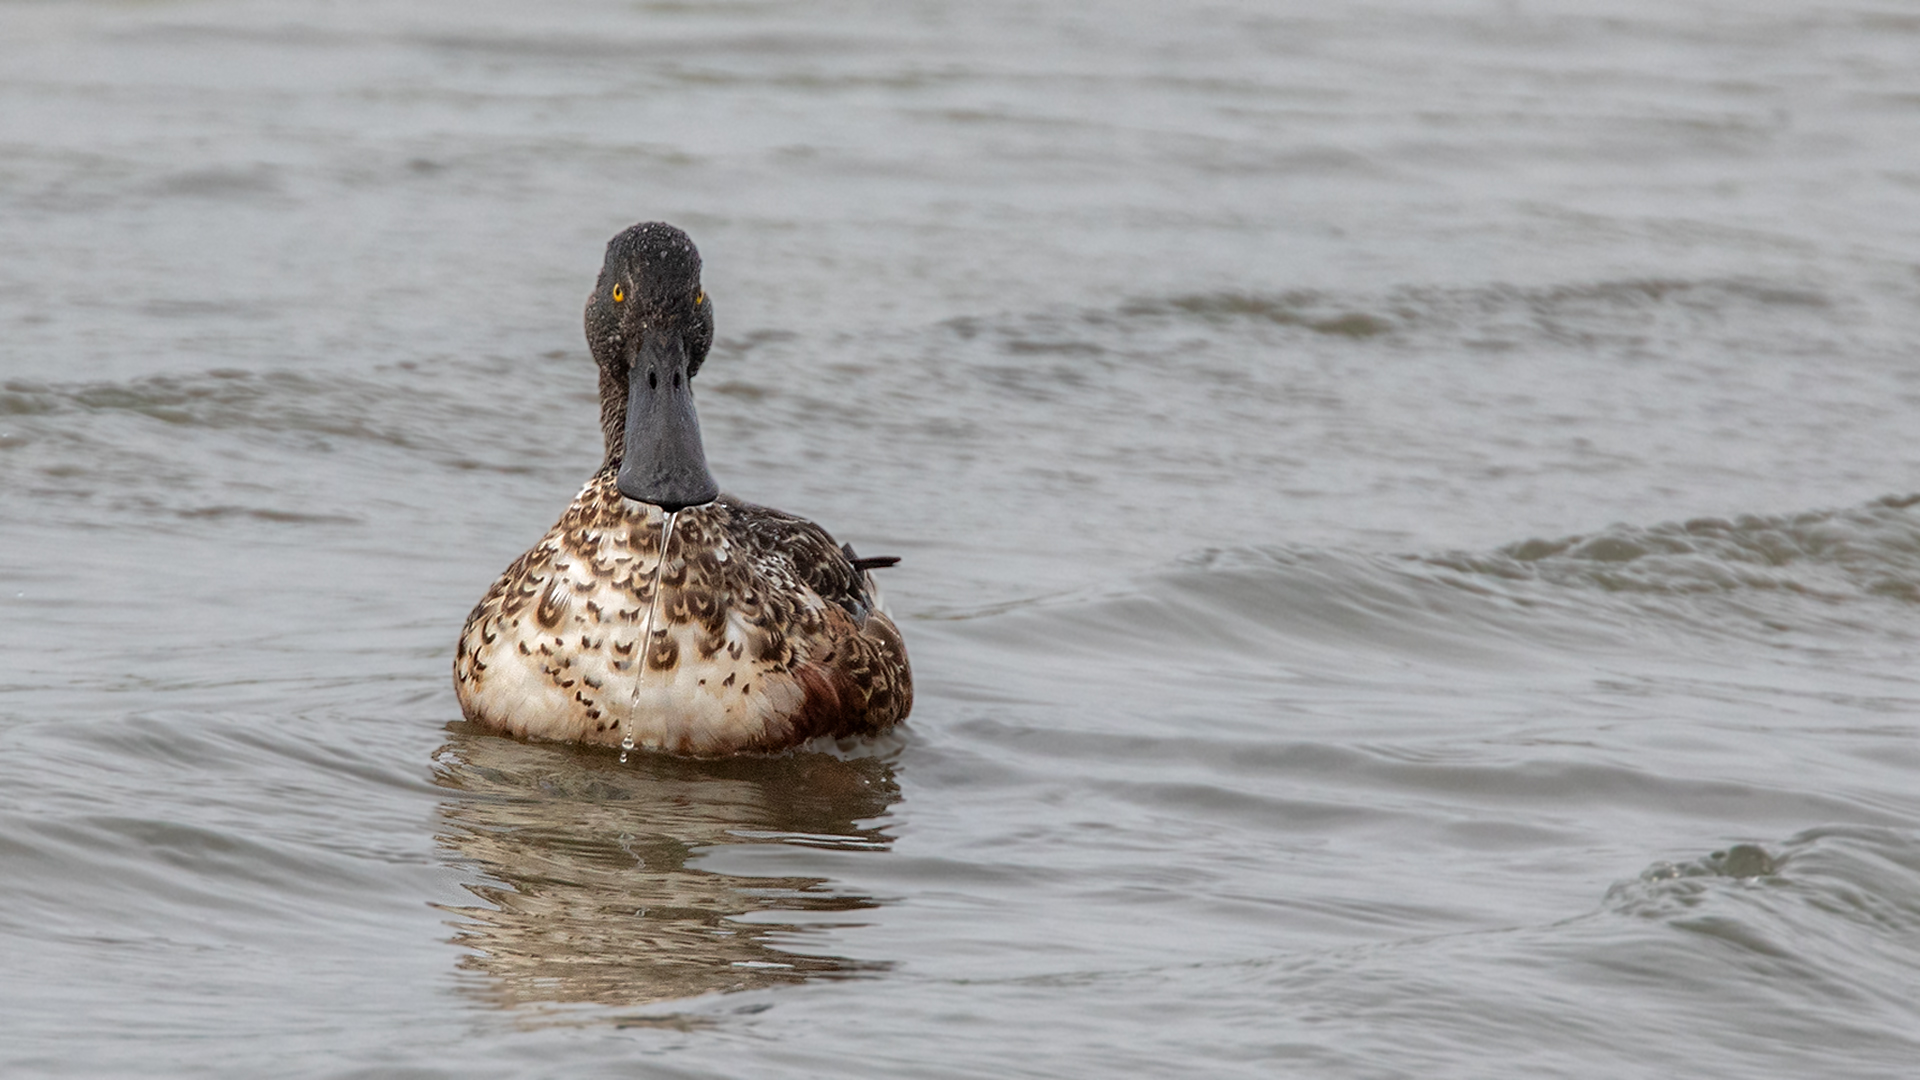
{"x": 646, "y": 636}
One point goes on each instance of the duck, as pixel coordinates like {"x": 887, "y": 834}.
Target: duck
{"x": 659, "y": 613}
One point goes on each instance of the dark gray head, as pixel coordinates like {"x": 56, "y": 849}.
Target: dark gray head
{"x": 649, "y": 325}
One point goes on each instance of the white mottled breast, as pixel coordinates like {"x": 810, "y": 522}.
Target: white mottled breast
{"x": 556, "y": 651}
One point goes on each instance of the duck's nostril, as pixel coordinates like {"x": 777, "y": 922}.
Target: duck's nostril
{"x": 653, "y": 380}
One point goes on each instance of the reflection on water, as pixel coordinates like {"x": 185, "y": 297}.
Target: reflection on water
{"x": 588, "y": 869}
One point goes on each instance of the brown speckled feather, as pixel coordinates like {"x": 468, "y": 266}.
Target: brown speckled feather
{"x": 765, "y": 634}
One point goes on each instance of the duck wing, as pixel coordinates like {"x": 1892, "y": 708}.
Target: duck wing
{"x": 809, "y": 554}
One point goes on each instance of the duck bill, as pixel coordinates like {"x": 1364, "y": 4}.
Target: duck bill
{"x": 664, "y": 462}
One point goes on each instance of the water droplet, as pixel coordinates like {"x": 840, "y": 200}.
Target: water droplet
{"x": 646, "y": 637}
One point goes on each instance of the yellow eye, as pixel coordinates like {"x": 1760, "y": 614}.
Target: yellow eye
{"x": 701, "y": 299}
{"x": 619, "y": 293}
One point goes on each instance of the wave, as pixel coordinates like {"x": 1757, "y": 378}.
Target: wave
{"x": 1833, "y": 555}
{"x": 160, "y": 437}
{"x": 1793, "y": 961}
{"x": 1823, "y": 574}
{"x": 337, "y": 405}
{"x": 1557, "y": 311}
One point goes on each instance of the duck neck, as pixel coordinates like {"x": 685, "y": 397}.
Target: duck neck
{"x": 613, "y": 414}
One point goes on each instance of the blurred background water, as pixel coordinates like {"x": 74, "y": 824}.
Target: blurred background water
{"x": 1409, "y": 554}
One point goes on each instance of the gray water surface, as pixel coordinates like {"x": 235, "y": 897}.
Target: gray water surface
{"x": 1410, "y": 553}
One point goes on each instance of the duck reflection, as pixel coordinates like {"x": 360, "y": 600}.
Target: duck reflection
{"x": 592, "y": 888}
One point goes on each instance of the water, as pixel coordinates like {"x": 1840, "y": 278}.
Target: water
{"x": 1410, "y": 561}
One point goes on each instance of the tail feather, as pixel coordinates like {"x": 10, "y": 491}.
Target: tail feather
{"x": 861, "y": 564}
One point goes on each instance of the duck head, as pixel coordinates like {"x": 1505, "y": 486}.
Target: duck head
{"x": 649, "y": 325}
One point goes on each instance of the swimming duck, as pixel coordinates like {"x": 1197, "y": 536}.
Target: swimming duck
{"x": 659, "y": 612}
